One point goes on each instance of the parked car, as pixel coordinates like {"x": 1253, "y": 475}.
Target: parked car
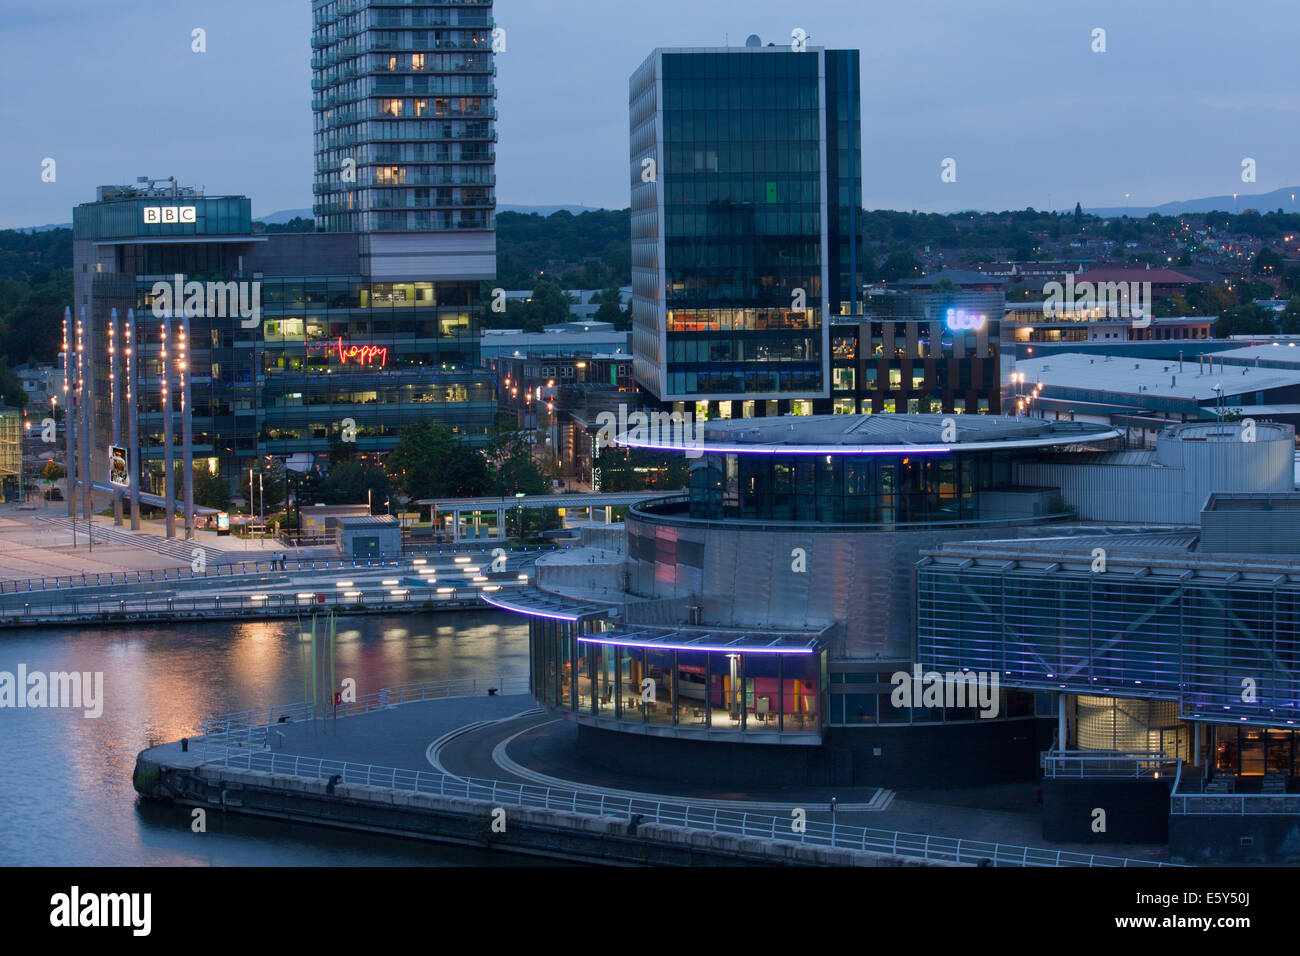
{"x": 53, "y": 494}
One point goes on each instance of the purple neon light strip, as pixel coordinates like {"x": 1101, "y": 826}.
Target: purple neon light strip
{"x": 896, "y": 450}
{"x": 528, "y": 612}
{"x": 733, "y": 649}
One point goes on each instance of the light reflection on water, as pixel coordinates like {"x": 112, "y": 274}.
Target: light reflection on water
{"x": 66, "y": 795}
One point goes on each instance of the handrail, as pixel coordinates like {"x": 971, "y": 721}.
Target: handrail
{"x": 1105, "y": 763}
{"x": 259, "y": 566}
{"x": 714, "y": 819}
{"x": 272, "y": 604}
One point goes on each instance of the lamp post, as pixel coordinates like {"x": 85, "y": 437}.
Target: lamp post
{"x": 115, "y": 406}
{"x": 169, "y": 461}
{"x": 132, "y": 420}
{"x": 187, "y": 424}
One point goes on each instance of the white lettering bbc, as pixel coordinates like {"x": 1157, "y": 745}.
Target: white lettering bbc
{"x": 74, "y": 909}
{"x": 167, "y": 215}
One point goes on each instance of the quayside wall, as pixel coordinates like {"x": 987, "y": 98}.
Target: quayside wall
{"x": 573, "y": 837}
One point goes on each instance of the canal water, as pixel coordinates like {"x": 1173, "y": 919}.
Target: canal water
{"x": 65, "y": 794}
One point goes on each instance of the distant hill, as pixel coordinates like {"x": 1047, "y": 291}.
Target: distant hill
{"x": 46, "y": 228}
{"x": 284, "y": 215}
{"x": 1264, "y": 202}
{"x": 547, "y": 210}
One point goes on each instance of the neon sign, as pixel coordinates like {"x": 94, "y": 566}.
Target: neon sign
{"x": 960, "y": 319}
{"x": 361, "y": 354}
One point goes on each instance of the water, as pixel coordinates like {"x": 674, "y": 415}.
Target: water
{"x": 66, "y": 797}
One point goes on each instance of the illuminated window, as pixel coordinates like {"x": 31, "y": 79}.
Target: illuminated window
{"x": 417, "y": 61}
{"x": 392, "y": 107}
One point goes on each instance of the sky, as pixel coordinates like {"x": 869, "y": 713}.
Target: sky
{"x": 1009, "y": 89}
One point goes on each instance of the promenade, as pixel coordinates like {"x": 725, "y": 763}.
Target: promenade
{"x": 507, "y": 739}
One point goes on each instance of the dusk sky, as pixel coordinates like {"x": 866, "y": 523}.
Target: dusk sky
{"x": 1009, "y": 89}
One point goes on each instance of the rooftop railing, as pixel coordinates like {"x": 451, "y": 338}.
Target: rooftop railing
{"x": 1084, "y": 764}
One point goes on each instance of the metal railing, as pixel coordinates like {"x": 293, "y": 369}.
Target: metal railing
{"x": 1081, "y": 764}
{"x": 711, "y": 819}
{"x": 248, "y": 726}
{"x": 275, "y": 604}
{"x": 1230, "y": 804}
{"x": 254, "y": 566}
{"x": 1234, "y": 804}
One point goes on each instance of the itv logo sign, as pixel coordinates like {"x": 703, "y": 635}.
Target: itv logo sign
{"x": 164, "y": 215}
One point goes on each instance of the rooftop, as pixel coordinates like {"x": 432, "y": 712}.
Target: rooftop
{"x": 1162, "y": 377}
{"x": 872, "y": 434}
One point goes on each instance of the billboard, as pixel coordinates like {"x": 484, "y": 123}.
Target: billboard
{"x": 119, "y": 472}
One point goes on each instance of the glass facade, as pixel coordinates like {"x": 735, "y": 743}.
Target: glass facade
{"x": 405, "y": 110}
{"x": 834, "y": 489}
{"x": 738, "y": 241}
{"x": 580, "y": 667}
{"x": 908, "y": 355}
{"x": 866, "y": 699}
{"x": 1165, "y": 634}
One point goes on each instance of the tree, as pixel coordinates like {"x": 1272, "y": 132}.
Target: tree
{"x": 350, "y": 483}
{"x": 513, "y": 470}
{"x": 431, "y": 462}
{"x": 899, "y": 265}
{"x": 11, "y": 386}
{"x": 1267, "y": 262}
{"x": 212, "y": 490}
{"x": 53, "y": 471}
{"x": 1247, "y": 319}
{"x": 611, "y": 309}
{"x": 549, "y": 304}
{"x": 268, "y": 488}
{"x": 1288, "y": 323}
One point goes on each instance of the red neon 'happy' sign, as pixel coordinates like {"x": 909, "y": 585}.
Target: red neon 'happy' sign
{"x": 362, "y": 354}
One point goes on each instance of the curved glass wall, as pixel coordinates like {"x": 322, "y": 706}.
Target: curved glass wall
{"x": 575, "y": 669}
{"x": 845, "y": 489}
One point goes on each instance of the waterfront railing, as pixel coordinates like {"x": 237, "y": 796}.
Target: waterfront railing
{"x": 637, "y": 811}
{"x": 230, "y": 569}
{"x": 273, "y": 604}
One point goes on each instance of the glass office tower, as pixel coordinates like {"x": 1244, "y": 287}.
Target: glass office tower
{"x": 405, "y": 107}
{"x": 745, "y": 172}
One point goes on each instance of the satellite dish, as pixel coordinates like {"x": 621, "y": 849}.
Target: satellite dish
{"x": 753, "y": 40}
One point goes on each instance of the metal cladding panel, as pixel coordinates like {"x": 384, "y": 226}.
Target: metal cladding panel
{"x": 1174, "y": 491}
{"x": 1251, "y": 532}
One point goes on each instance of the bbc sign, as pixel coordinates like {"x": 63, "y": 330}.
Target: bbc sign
{"x": 164, "y": 215}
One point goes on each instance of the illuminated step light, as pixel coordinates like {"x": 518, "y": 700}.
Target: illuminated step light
{"x": 418, "y": 562}
{"x": 399, "y": 592}
{"x": 425, "y": 571}
{"x": 342, "y": 584}
{"x": 462, "y": 560}
{"x": 524, "y": 578}
{"x": 258, "y": 597}
{"x": 471, "y": 570}
{"x": 306, "y": 595}
{"x": 446, "y": 590}
{"x": 390, "y": 582}
{"x": 492, "y": 587}
{"x": 479, "y": 579}
{"x": 352, "y": 594}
